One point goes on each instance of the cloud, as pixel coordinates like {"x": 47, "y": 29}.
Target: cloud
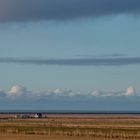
{"x": 130, "y": 92}
{"x": 61, "y": 92}
{"x": 114, "y": 55}
{"x": 112, "y": 61}
{"x": 36, "y": 10}
{"x": 17, "y": 91}
{"x": 20, "y": 92}
{"x": 98, "y": 93}
{"x": 20, "y": 98}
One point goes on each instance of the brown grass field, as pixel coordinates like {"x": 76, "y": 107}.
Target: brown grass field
{"x": 38, "y": 137}
{"x": 71, "y": 127}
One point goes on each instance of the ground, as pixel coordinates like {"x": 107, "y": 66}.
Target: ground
{"x": 71, "y": 127}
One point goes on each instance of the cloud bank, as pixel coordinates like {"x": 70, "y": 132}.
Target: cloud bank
{"x": 130, "y": 92}
{"x": 17, "y": 92}
{"x": 112, "y": 61}
{"x": 21, "y": 98}
{"x": 36, "y": 10}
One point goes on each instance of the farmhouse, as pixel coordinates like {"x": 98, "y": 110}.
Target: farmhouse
{"x": 38, "y": 115}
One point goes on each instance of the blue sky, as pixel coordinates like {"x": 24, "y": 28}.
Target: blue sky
{"x": 84, "y": 52}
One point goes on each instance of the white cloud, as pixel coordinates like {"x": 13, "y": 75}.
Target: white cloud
{"x": 16, "y": 91}
{"x": 61, "y": 92}
{"x": 20, "y": 91}
{"x": 130, "y": 91}
{"x": 96, "y": 93}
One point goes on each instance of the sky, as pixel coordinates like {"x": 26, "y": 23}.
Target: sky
{"x": 69, "y": 54}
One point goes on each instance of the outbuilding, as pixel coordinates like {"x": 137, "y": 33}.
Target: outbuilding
{"x": 38, "y": 115}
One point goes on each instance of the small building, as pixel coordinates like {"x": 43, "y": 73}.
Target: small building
{"x": 38, "y": 115}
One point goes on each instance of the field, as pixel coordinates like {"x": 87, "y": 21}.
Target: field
{"x": 71, "y": 127}
{"x": 33, "y": 137}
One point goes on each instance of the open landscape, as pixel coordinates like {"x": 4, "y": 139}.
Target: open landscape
{"x": 69, "y": 69}
{"x": 71, "y": 126}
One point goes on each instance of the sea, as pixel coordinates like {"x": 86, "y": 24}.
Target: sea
{"x": 69, "y": 112}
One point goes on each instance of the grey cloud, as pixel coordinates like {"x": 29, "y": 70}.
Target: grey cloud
{"x": 35, "y": 10}
{"x": 114, "y": 55}
{"x": 118, "y": 61}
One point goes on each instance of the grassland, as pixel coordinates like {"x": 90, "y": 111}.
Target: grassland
{"x": 39, "y": 137}
{"x": 72, "y": 127}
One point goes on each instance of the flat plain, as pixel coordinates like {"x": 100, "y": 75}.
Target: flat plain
{"x": 71, "y": 127}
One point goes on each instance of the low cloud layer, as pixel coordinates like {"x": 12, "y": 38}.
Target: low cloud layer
{"x": 36, "y": 10}
{"x": 112, "y": 61}
{"x": 21, "y": 98}
{"x": 129, "y": 92}
{"x": 20, "y": 92}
